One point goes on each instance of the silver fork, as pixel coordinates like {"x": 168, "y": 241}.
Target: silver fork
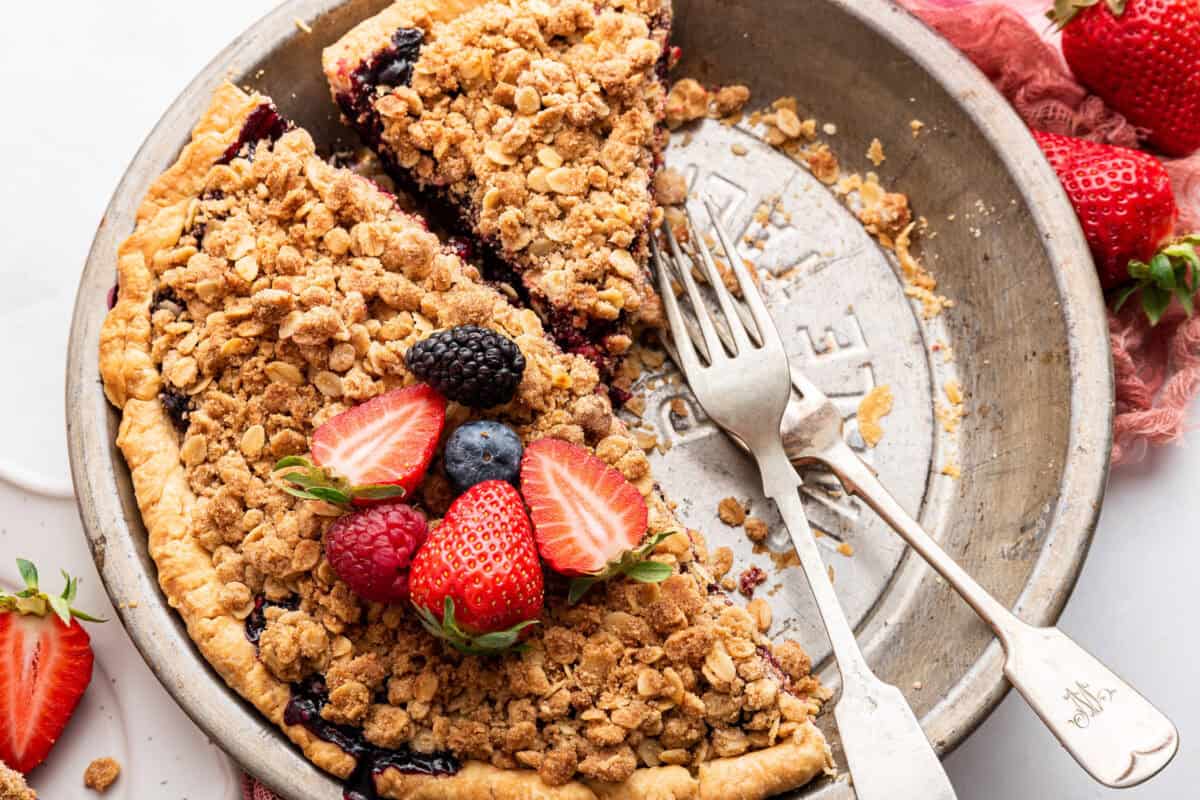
{"x": 746, "y": 391}
{"x": 1114, "y": 733}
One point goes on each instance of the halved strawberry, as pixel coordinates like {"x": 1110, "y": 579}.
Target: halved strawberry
{"x": 589, "y": 522}
{"x": 375, "y": 451}
{"x": 45, "y": 666}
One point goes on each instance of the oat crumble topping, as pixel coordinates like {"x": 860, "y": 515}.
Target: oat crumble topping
{"x": 292, "y": 292}
{"x": 541, "y": 119}
{"x": 101, "y": 774}
{"x": 13, "y": 786}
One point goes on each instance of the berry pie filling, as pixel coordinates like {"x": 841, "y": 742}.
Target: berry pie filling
{"x": 537, "y": 125}
{"x": 399, "y": 519}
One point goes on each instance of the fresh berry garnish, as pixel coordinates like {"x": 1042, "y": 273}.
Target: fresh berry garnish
{"x": 476, "y": 582}
{"x": 589, "y": 522}
{"x": 1124, "y": 202}
{"x": 375, "y": 451}
{"x": 470, "y": 365}
{"x": 1142, "y": 57}
{"x": 480, "y": 451}
{"x": 45, "y": 666}
{"x": 371, "y": 550}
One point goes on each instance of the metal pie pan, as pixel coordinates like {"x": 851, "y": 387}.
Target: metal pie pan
{"x": 1027, "y": 334}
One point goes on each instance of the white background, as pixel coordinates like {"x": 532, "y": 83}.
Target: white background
{"x": 83, "y": 83}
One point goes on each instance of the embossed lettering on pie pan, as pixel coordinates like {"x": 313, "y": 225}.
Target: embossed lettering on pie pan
{"x": 1027, "y": 335}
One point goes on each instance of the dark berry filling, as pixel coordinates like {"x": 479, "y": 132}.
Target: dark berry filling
{"x": 257, "y": 621}
{"x": 112, "y": 295}
{"x": 304, "y": 708}
{"x": 264, "y": 122}
{"x": 391, "y": 66}
{"x": 178, "y": 407}
{"x": 750, "y": 579}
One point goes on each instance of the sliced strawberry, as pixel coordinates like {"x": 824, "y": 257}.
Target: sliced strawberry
{"x": 45, "y": 666}
{"x": 376, "y": 451}
{"x": 585, "y": 514}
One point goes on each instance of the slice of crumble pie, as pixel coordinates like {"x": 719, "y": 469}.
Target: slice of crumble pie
{"x": 536, "y": 122}
{"x": 265, "y": 292}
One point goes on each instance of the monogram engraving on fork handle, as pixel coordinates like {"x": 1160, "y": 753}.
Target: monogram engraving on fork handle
{"x": 1087, "y": 703}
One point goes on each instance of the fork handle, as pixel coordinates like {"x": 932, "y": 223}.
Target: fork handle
{"x": 1114, "y": 733}
{"x": 885, "y": 748}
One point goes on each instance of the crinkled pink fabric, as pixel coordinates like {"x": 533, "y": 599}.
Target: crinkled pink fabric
{"x": 1157, "y": 368}
{"x": 253, "y": 790}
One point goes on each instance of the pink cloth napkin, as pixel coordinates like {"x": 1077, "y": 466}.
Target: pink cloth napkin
{"x": 1157, "y": 369}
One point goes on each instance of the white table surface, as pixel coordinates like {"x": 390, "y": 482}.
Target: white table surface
{"x": 84, "y": 82}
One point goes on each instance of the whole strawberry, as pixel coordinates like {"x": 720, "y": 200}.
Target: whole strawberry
{"x": 1124, "y": 202}
{"x": 371, "y": 550}
{"x": 1142, "y": 57}
{"x": 476, "y": 582}
{"x": 45, "y": 666}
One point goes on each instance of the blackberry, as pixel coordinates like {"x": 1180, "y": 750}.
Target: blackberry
{"x": 468, "y": 364}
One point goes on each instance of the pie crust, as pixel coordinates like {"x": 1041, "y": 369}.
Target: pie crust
{"x": 261, "y": 294}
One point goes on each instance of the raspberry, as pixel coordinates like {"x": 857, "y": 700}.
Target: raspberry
{"x": 371, "y": 549}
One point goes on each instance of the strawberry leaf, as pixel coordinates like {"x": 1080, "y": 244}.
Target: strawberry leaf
{"x": 484, "y": 644}
{"x": 1154, "y": 302}
{"x": 579, "y": 587}
{"x": 1161, "y": 271}
{"x": 29, "y": 574}
{"x": 650, "y": 571}
{"x": 31, "y": 601}
{"x": 294, "y": 461}
{"x": 378, "y": 491}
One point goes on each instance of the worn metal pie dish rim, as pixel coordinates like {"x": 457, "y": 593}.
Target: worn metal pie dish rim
{"x": 104, "y": 494}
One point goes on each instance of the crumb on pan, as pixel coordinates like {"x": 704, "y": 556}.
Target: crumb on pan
{"x": 756, "y": 529}
{"x": 876, "y": 405}
{"x": 917, "y": 126}
{"x": 875, "y": 152}
{"x": 101, "y": 774}
{"x": 731, "y": 512}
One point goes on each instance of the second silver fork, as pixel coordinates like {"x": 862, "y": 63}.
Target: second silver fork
{"x": 746, "y": 392}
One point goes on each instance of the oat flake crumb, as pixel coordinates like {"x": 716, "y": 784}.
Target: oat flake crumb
{"x": 12, "y": 785}
{"x": 303, "y": 26}
{"x": 917, "y": 126}
{"x": 875, "y": 152}
{"x": 731, "y": 512}
{"x": 101, "y": 774}
{"x": 873, "y": 408}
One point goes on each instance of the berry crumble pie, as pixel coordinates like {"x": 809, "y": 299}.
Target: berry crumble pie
{"x": 258, "y": 350}
{"x": 537, "y": 123}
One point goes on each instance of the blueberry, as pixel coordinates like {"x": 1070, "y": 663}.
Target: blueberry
{"x": 482, "y": 451}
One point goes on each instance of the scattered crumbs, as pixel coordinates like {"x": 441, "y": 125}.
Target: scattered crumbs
{"x": 875, "y": 152}
{"x": 949, "y": 416}
{"x": 636, "y": 405}
{"x": 750, "y": 579}
{"x": 646, "y": 440}
{"x": 916, "y": 125}
{"x": 756, "y": 529}
{"x": 679, "y": 407}
{"x": 921, "y": 284}
{"x": 132, "y": 604}
{"x": 830, "y": 129}
{"x": 101, "y": 774}
{"x": 951, "y": 217}
{"x": 918, "y": 685}
{"x": 722, "y": 562}
{"x": 876, "y": 405}
{"x": 303, "y": 26}
{"x": 846, "y": 549}
{"x": 817, "y": 532}
{"x": 952, "y": 470}
{"x": 953, "y": 391}
{"x": 738, "y": 149}
{"x": 728, "y": 584}
{"x": 731, "y": 512}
